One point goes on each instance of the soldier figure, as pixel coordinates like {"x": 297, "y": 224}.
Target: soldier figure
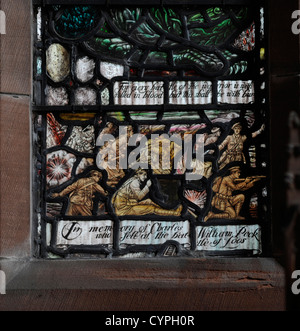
{"x": 128, "y": 200}
{"x": 230, "y": 205}
{"x": 235, "y": 145}
{"x": 82, "y": 194}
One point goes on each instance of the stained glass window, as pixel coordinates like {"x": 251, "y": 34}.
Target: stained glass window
{"x": 150, "y": 129}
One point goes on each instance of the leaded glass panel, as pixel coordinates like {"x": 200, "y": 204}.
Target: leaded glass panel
{"x": 150, "y": 130}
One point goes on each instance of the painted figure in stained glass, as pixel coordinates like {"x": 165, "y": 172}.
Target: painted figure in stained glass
{"x": 235, "y": 145}
{"x": 212, "y": 137}
{"x": 129, "y": 199}
{"x": 112, "y": 150}
{"x": 81, "y": 194}
{"x": 198, "y": 165}
{"x": 227, "y": 204}
{"x": 160, "y": 152}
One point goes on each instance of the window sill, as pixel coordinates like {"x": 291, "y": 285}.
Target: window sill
{"x": 151, "y": 284}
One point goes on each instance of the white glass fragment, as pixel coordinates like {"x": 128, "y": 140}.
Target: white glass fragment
{"x": 85, "y": 69}
{"x": 222, "y": 116}
{"x": 262, "y": 23}
{"x": 85, "y": 96}
{"x": 111, "y": 70}
{"x": 105, "y": 97}
{"x": 82, "y": 139}
{"x": 39, "y": 24}
{"x": 57, "y": 62}
{"x": 56, "y": 96}
{"x": 48, "y": 233}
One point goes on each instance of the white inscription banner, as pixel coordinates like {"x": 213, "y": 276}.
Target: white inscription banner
{"x": 84, "y": 233}
{"x": 190, "y": 92}
{"x": 229, "y": 237}
{"x": 139, "y": 93}
{"x": 236, "y": 91}
{"x": 154, "y": 232}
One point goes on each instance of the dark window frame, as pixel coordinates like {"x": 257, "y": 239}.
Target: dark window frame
{"x": 44, "y": 109}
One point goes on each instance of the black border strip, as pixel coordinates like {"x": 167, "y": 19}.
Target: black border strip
{"x": 145, "y": 2}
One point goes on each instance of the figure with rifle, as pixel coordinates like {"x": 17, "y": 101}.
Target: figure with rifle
{"x": 228, "y": 205}
{"x": 81, "y": 194}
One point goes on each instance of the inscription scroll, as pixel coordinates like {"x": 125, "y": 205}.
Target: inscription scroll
{"x": 154, "y": 232}
{"x": 139, "y": 93}
{"x": 84, "y": 233}
{"x": 190, "y": 92}
{"x": 235, "y": 92}
{"x": 228, "y": 237}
